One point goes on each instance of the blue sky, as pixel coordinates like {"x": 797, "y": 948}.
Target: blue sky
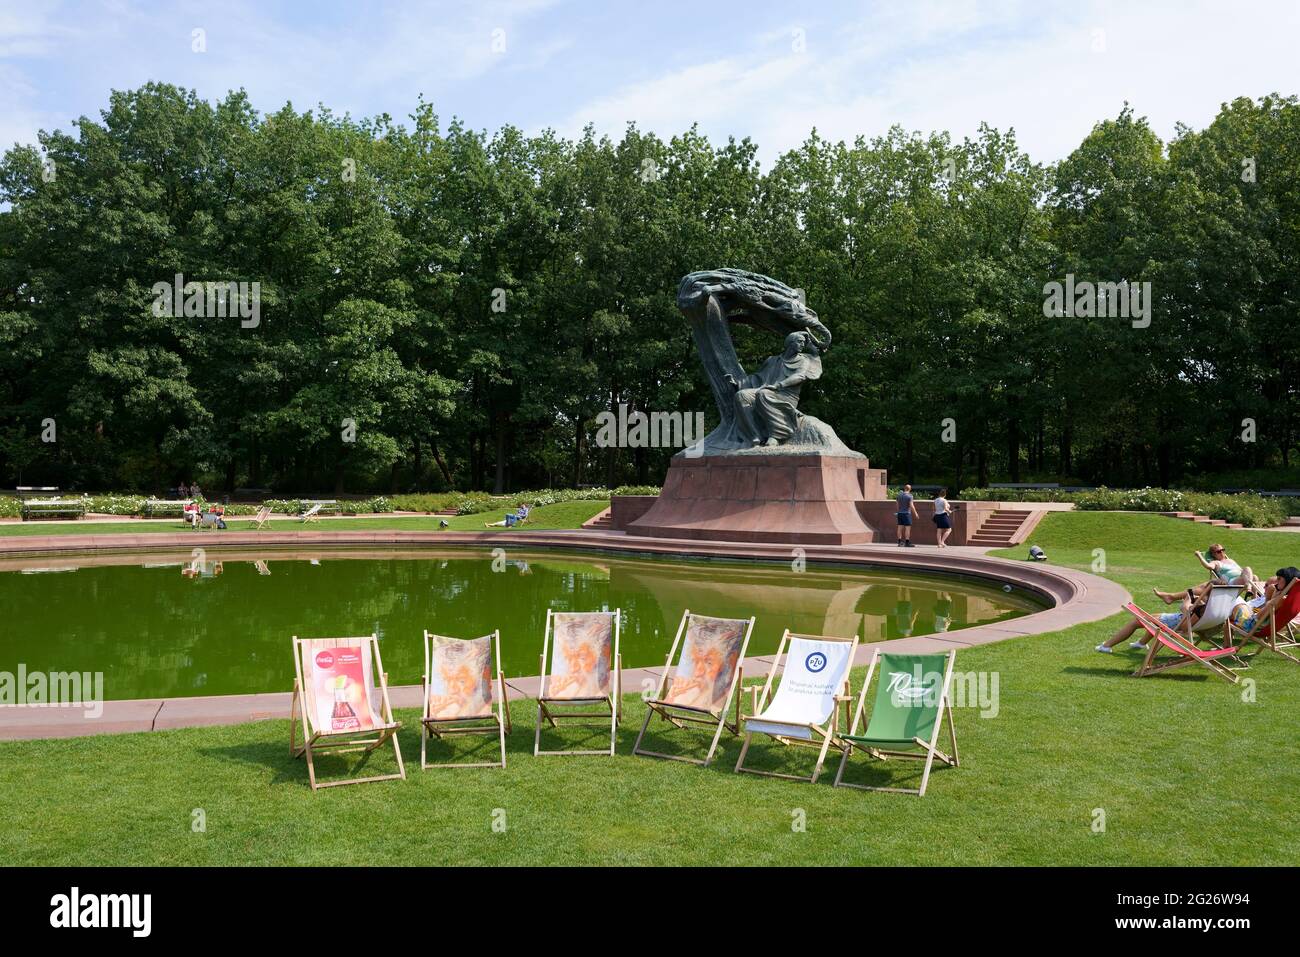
{"x": 768, "y": 70}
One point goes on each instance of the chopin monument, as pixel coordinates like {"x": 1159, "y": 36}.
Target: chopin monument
{"x": 768, "y": 472}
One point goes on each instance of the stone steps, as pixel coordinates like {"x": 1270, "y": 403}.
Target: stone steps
{"x": 1203, "y": 520}
{"x": 1000, "y": 528}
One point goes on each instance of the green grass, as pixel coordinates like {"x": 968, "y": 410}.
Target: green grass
{"x": 1185, "y": 770}
{"x": 559, "y": 515}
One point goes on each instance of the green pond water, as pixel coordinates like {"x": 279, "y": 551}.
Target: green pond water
{"x": 168, "y": 624}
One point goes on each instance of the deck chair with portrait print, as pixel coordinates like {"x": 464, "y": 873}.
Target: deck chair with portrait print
{"x": 464, "y": 694}
{"x": 700, "y": 688}
{"x": 913, "y": 697}
{"x": 581, "y": 674}
{"x": 805, "y": 709}
{"x": 341, "y": 710}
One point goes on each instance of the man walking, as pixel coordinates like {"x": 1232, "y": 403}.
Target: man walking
{"x": 906, "y": 512}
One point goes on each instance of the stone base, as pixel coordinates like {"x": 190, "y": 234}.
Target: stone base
{"x": 795, "y": 499}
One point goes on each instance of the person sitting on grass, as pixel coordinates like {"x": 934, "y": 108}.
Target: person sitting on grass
{"x": 1225, "y": 572}
{"x": 512, "y": 518}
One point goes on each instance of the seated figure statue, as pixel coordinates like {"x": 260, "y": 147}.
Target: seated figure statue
{"x": 767, "y": 401}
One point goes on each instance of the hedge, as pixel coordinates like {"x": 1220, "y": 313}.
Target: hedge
{"x": 1252, "y": 511}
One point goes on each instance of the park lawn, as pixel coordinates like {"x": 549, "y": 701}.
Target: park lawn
{"x": 559, "y": 515}
{"x": 1183, "y": 768}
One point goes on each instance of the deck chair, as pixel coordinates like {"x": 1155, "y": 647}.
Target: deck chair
{"x": 1185, "y": 651}
{"x": 334, "y": 696}
{"x": 804, "y": 711}
{"x": 311, "y": 515}
{"x": 708, "y": 675}
{"x": 262, "y": 517}
{"x": 913, "y": 697}
{"x": 1272, "y": 631}
{"x": 585, "y": 670}
{"x": 461, "y": 679}
{"x": 1212, "y": 626}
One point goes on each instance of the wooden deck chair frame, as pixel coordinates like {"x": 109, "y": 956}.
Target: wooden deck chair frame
{"x": 824, "y": 737}
{"x": 312, "y": 514}
{"x": 347, "y": 741}
{"x": 931, "y": 750}
{"x": 1270, "y": 641}
{"x": 445, "y": 727}
{"x": 554, "y": 710}
{"x": 679, "y": 716}
{"x": 1164, "y": 637}
{"x": 263, "y": 517}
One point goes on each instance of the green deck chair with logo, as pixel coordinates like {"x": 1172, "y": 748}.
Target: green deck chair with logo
{"x": 913, "y": 697}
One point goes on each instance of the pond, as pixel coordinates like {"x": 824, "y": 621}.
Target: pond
{"x": 181, "y": 624}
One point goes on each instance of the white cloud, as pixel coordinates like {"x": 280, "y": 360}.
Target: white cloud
{"x": 948, "y": 67}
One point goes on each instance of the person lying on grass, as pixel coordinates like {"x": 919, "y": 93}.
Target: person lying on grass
{"x": 1224, "y": 570}
{"x": 511, "y": 519}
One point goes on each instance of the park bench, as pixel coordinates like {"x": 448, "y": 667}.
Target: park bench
{"x": 29, "y": 491}
{"x": 52, "y": 507}
{"x": 321, "y": 505}
{"x": 163, "y": 506}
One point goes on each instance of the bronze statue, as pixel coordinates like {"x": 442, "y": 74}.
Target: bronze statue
{"x": 759, "y": 412}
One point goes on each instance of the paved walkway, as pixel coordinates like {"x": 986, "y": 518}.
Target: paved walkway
{"x": 1075, "y": 597}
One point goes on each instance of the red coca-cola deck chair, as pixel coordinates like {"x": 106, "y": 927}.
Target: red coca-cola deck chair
{"x": 335, "y": 698}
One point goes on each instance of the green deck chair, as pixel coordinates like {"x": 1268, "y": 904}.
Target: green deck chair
{"x": 913, "y": 696}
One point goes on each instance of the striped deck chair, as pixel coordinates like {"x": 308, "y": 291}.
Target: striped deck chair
{"x": 262, "y": 517}
{"x": 335, "y": 697}
{"x": 707, "y": 676}
{"x": 581, "y": 671}
{"x": 462, "y": 676}
{"x": 908, "y": 713}
{"x": 312, "y": 514}
{"x": 804, "y": 711}
{"x": 1164, "y": 638}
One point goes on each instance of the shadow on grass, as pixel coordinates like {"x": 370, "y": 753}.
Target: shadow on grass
{"x": 1115, "y": 673}
{"x": 286, "y": 769}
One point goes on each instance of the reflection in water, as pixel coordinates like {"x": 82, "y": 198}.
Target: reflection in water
{"x": 223, "y": 626}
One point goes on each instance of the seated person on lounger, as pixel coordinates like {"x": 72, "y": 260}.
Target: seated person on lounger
{"x": 1172, "y": 620}
{"x": 1247, "y": 612}
{"x": 1224, "y": 571}
{"x": 511, "y": 519}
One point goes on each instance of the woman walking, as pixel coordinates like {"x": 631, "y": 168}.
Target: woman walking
{"x": 942, "y": 517}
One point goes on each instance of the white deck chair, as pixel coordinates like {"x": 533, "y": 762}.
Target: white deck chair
{"x": 262, "y": 517}
{"x": 312, "y": 514}
{"x": 585, "y": 671}
{"x": 814, "y": 682}
{"x": 462, "y": 676}
{"x": 341, "y": 711}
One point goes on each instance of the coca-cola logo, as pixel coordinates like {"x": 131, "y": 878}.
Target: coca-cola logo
{"x": 325, "y": 659}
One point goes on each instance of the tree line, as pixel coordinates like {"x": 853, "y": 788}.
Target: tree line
{"x": 441, "y": 307}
